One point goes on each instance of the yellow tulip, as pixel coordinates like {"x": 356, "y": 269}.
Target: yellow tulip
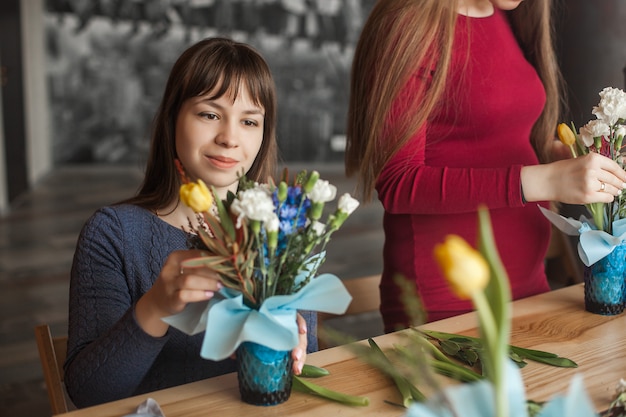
{"x": 465, "y": 269}
{"x": 197, "y": 196}
{"x": 565, "y": 134}
{"x": 567, "y": 137}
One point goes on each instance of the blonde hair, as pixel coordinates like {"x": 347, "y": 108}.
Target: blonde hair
{"x": 403, "y": 36}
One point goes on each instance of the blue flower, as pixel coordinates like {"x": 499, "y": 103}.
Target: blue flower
{"x": 292, "y": 213}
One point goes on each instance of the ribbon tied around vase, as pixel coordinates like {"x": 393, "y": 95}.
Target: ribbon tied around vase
{"x": 593, "y": 244}
{"x": 227, "y": 321}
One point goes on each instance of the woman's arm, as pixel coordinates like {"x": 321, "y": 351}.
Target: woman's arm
{"x": 108, "y": 352}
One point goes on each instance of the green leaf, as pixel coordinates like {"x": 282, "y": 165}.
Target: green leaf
{"x": 543, "y": 357}
{"x": 225, "y": 220}
{"x": 533, "y": 407}
{"x": 407, "y": 390}
{"x": 449, "y": 347}
{"x": 469, "y": 356}
{"x": 309, "y": 388}
{"x": 311, "y": 371}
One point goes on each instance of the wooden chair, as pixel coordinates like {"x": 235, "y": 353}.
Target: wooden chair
{"x": 563, "y": 266}
{"x": 365, "y": 299}
{"x": 52, "y": 352}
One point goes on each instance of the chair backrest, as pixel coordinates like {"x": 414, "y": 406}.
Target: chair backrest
{"x": 365, "y": 299}
{"x": 52, "y": 352}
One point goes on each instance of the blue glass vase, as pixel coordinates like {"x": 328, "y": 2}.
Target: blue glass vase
{"x": 264, "y": 374}
{"x": 605, "y": 283}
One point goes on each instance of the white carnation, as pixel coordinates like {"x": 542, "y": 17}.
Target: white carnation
{"x": 318, "y": 227}
{"x": 322, "y": 192}
{"x": 253, "y": 204}
{"x": 593, "y": 129}
{"x": 347, "y": 204}
{"x": 612, "y": 106}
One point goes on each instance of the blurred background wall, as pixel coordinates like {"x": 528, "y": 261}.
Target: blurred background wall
{"x": 81, "y": 78}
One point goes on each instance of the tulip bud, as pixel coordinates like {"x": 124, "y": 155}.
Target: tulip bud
{"x": 315, "y": 212}
{"x": 465, "y": 269}
{"x": 566, "y": 135}
{"x": 282, "y": 191}
{"x": 308, "y": 186}
{"x": 196, "y": 195}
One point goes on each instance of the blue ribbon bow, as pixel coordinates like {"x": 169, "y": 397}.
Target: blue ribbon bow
{"x": 593, "y": 244}
{"x": 227, "y": 321}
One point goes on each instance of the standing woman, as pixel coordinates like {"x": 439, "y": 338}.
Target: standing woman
{"x": 218, "y": 118}
{"x": 454, "y": 104}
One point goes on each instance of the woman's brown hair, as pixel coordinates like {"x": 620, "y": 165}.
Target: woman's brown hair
{"x": 220, "y": 66}
{"x": 401, "y": 37}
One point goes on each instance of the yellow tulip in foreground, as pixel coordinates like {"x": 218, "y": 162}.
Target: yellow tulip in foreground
{"x": 197, "y": 196}
{"x": 465, "y": 269}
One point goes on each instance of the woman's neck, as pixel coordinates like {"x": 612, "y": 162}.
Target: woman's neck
{"x": 178, "y": 215}
{"x": 475, "y": 8}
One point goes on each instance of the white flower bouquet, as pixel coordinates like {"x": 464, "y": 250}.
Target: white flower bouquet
{"x": 604, "y": 135}
{"x": 267, "y": 243}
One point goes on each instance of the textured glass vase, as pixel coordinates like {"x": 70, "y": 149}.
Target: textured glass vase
{"x": 264, "y": 374}
{"x": 605, "y": 283}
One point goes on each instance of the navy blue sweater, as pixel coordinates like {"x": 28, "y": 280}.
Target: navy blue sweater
{"x": 119, "y": 255}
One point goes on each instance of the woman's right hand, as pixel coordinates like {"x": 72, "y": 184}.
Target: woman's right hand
{"x": 591, "y": 178}
{"x": 173, "y": 289}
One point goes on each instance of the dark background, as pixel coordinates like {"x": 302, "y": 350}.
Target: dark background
{"x": 108, "y": 62}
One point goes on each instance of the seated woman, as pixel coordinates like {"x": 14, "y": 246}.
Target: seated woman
{"x": 218, "y": 119}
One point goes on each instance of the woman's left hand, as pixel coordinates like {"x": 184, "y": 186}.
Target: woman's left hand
{"x": 299, "y": 352}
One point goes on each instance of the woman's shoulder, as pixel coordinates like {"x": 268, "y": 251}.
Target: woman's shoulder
{"x": 131, "y": 224}
{"x": 122, "y": 220}
{"x": 126, "y": 214}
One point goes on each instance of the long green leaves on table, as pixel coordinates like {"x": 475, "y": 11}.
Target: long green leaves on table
{"x": 407, "y": 390}
{"x": 468, "y": 349}
{"x": 465, "y": 349}
{"x": 307, "y": 387}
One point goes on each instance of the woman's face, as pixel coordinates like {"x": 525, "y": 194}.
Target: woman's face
{"x": 217, "y": 140}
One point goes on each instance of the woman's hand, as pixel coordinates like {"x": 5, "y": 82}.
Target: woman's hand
{"x": 591, "y": 178}
{"x": 560, "y": 151}
{"x": 299, "y": 352}
{"x": 173, "y": 289}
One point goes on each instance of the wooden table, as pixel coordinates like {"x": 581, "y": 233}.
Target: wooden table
{"x": 554, "y": 322}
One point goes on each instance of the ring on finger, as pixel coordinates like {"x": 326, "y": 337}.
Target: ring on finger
{"x": 602, "y": 188}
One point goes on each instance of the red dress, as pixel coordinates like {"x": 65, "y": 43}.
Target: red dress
{"x": 470, "y": 152}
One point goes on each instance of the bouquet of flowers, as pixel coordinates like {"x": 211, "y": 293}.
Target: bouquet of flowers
{"x": 604, "y": 135}
{"x": 267, "y": 243}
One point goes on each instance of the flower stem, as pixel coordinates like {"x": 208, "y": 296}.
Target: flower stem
{"x": 496, "y": 351}
{"x": 571, "y": 148}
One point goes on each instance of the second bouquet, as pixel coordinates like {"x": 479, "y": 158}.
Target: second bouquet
{"x": 267, "y": 243}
